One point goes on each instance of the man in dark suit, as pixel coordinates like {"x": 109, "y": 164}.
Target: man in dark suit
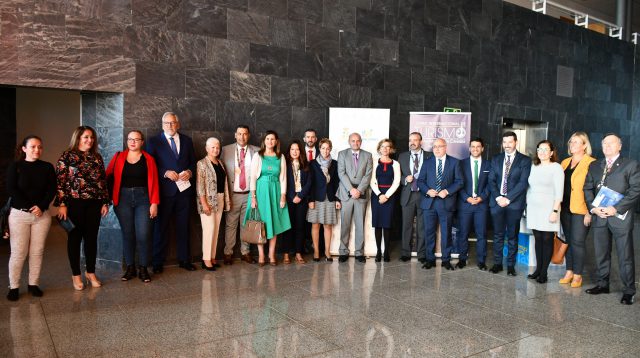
{"x": 410, "y": 198}
{"x": 508, "y": 182}
{"x": 473, "y": 204}
{"x": 310, "y": 139}
{"x": 176, "y": 161}
{"x": 623, "y": 176}
{"x": 440, "y": 180}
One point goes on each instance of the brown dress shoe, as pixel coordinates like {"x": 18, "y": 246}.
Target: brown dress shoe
{"x": 228, "y": 259}
{"x": 248, "y": 259}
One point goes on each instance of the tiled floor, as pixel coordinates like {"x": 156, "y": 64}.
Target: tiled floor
{"x": 319, "y": 309}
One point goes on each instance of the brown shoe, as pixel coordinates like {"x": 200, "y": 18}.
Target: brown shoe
{"x": 228, "y": 259}
{"x": 248, "y": 259}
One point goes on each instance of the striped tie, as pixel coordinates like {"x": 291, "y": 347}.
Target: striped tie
{"x": 507, "y": 168}
{"x": 439, "y": 176}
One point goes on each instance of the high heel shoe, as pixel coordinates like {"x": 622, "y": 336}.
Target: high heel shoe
{"x": 329, "y": 258}
{"x": 577, "y": 281}
{"x": 273, "y": 262}
{"x": 143, "y": 274}
{"x": 286, "y": 259}
{"x": 316, "y": 259}
{"x": 300, "y": 260}
{"x": 208, "y": 268}
{"x": 93, "y": 280}
{"x": 77, "y": 283}
{"x": 565, "y": 280}
{"x": 129, "y": 273}
{"x": 261, "y": 263}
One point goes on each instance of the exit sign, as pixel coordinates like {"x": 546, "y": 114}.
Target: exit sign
{"x": 449, "y": 109}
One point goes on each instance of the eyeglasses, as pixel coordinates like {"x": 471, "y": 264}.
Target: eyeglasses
{"x": 543, "y": 150}
{"x": 136, "y": 140}
{"x": 170, "y": 123}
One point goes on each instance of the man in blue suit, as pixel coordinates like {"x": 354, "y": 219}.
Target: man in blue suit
{"x": 508, "y": 182}
{"x": 472, "y": 204}
{"x": 440, "y": 180}
{"x": 176, "y": 163}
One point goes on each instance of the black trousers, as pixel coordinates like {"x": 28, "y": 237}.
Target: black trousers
{"x": 85, "y": 215}
{"x": 544, "y": 251}
{"x": 294, "y": 238}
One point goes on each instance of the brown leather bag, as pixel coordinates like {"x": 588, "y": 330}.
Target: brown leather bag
{"x": 253, "y": 231}
{"x": 559, "y": 250}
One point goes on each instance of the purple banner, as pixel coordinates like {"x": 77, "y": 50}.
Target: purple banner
{"x": 452, "y": 127}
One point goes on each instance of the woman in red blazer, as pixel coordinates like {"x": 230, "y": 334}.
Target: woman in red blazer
{"x": 135, "y": 200}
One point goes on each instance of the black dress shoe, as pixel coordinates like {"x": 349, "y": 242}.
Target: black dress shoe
{"x": 541, "y": 279}
{"x": 511, "y": 271}
{"x": 386, "y": 258}
{"x": 404, "y": 258}
{"x": 143, "y": 274}
{"x": 447, "y": 265}
{"x": 217, "y": 265}
{"x": 461, "y": 264}
{"x": 422, "y": 260}
{"x": 482, "y": 266}
{"x": 343, "y": 258}
{"x": 627, "y": 299}
{"x": 496, "y": 268}
{"x": 158, "y": 269}
{"x": 378, "y": 257}
{"x": 361, "y": 259}
{"x": 533, "y": 275}
{"x": 14, "y": 294}
{"x": 35, "y": 291}
{"x": 428, "y": 264}
{"x": 187, "y": 266}
{"x": 316, "y": 259}
{"x": 208, "y": 268}
{"x": 597, "y": 290}
{"x": 328, "y": 259}
{"x": 129, "y": 273}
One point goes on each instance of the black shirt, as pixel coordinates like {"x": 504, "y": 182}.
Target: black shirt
{"x": 566, "y": 196}
{"x": 31, "y": 183}
{"x": 221, "y": 176}
{"x": 134, "y": 175}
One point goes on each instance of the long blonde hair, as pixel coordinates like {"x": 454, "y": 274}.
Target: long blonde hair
{"x": 585, "y": 139}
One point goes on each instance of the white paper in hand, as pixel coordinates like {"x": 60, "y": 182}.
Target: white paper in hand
{"x": 183, "y": 185}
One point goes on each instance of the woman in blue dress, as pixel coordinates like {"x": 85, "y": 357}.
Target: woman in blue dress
{"x": 384, "y": 183}
{"x": 268, "y": 187}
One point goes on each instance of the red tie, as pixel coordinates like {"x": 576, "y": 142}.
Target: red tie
{"x": 243, "y": 177}
{"x": 310, "y": 155}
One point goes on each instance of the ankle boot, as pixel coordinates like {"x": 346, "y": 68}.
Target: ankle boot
{"x": 143, "y": 274}
{"x": 378, "y": 256}
{"x": 130, "y": 273}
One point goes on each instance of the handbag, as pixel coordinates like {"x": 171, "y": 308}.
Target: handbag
{"x": 253, "y": 231}
{"x": 4, "y": 219}
{"x": 559, "y": 250}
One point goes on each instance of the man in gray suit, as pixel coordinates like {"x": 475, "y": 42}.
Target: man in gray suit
{"x": 237, "y": 161}
{"x": 354, "y": 169}
{"x": 623, "y": 176}
{"x": 410, "y": 164}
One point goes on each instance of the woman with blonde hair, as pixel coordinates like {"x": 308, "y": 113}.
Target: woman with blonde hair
{"x": 575, "y": 217}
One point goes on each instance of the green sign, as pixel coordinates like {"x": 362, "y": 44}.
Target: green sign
{"x": 449, "y": 109}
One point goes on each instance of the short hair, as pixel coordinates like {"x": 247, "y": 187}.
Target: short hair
{"x": 211, "y": 139}
{"x": 304, "y": 165}
{"x": 355, "y": 133}
{"x": 392, "y": 147}
{"x": 166, "y": 114}
{"x": 264, "y": 147}
{"x": 75, "y": 139}
{"x": 510, "y": 134}
{"x": 612, "y": 134}
{"x": 327, "y": 141}
{"x": 243, "y": 126}
{"x": 477, "y": 139}
{"x": 311, "y": 130}
{"x": 136, "y": 131}
{"x": 585, "y": 139}
{"x": 554, "y": 156}
{"x": 416, "y": 133}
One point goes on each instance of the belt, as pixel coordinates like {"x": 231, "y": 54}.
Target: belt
{"x": 241, "y": 192}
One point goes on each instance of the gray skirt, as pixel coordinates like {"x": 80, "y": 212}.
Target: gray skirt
{"x": 325, "y": 212}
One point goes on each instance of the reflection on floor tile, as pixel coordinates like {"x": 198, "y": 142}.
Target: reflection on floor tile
{"x": 393, "y": 309}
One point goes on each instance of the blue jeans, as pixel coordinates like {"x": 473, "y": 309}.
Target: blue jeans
{"x": 133, "y": 214}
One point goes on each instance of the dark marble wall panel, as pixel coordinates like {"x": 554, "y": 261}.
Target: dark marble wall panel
{"x": 204, "y": 17}
{"x": 182, "y": 48}
{"x": 354, "y": 96}
{"x": 276, "y": 118}
{"x": 248, "y": 27}
{"x": 288, "y": 92}
{"x": 322, "y": 39}
{"x": 305, "y": 65}
{"x": 323, "y": 94}
{"x": 305, "y": 10}
{"x": 339, "y": 15}
{"x": 338, "y": 69}
{"x": 368, "y": 23}
{"x": 303, "y": 118}
{"x": 227, "y": 55}
{"x": 268, "y": 60}
{"x": 384, "y": 51}
{"x": 275, "y": 8}
{"x": 287, "y": 34}
{"x": 196, "y": 114}
{"x": 107, "y": 73}
{"x": 160, "y": 79}
{"x": 248, "y": 87}
{"x": 211, "y": 84}
{"x": 154, "y": 13}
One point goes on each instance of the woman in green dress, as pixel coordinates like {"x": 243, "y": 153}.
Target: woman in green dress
{"x": 268, "y": 186}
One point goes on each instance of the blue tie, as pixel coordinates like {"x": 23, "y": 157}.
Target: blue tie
{"x": 174, "y": 149}
{"x": 439, "y": 176}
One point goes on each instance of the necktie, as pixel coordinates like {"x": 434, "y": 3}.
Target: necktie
{"x": 609, "y": 164}
{"x": 310, "y": 155}
{"x": 507, "y": 167}
{"x": 475, "y": 178}
{"x": 174, "y": 148}
{"x": 355, "y": 160}
{"x": 243, "y": 177}
{"x": 416, "y": 163}
{"x": 439, "y": 176}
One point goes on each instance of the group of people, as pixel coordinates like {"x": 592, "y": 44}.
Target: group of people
{"x": 296, "y": 192}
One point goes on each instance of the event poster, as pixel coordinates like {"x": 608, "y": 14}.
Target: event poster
{"x": 373, "y": 125}
{"x": 452, "y": 127}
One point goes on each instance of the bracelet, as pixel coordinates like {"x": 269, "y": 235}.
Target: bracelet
{"x": 555, "y": 211}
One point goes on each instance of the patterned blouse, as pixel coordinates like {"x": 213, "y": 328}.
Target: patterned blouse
{"x": 80, "y": 176}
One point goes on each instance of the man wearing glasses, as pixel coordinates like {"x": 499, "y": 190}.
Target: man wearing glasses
{"x": 176, "y": 164}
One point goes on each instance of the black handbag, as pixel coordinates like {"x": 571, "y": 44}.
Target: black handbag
{"x": 4, "y": 219}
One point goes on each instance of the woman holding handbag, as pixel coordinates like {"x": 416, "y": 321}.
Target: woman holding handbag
{"x": 268, "y": 188}
{"x": 31, "y": 183}
{"x": 135, "y": 196}
{"x": 299, "y": 181}
{"x": 212, "y": 190}
{"x": 546, "y": 184}
{"x": 575, "y": 217}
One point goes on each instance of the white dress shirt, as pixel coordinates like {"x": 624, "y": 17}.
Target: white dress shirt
{"x": 176, "y": 138}
{"x": 472, "y": 161}
{"x": 247, "y": 168}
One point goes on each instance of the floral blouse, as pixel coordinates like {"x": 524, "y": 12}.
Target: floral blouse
{"x": 80, "y": 175}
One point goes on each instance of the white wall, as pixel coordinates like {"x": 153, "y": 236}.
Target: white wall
{"x": 50, "y": 114}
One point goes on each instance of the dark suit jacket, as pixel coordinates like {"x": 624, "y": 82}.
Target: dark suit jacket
{"x": 624, "y": 178}
{"x": 306, "y": 179}
{"x": 406, "y": 168}
{"x": 517, "y": 182}
{"x": 483, "y": 184}
{"x": 160, "y": 149}
{"x": 321, "y": 189}
{"x": 451, "y": 180}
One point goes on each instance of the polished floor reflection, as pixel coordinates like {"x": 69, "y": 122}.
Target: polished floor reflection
{"x": 318, "y": 309}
